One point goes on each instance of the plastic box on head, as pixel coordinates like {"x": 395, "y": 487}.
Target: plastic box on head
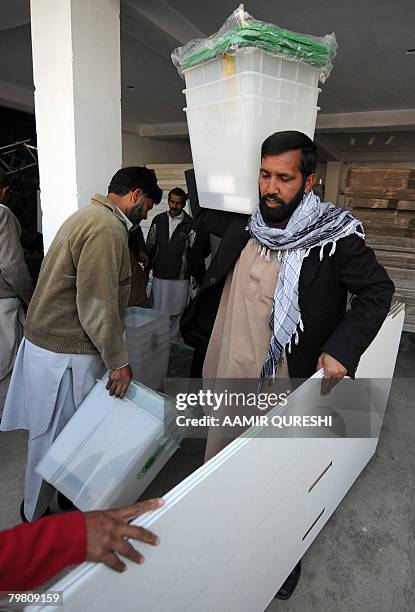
{"x": 243, "y": 83}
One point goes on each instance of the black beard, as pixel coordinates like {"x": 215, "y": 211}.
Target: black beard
{"x": 175, "y": 212}
{"x": 134, "y": 215}
{"x": 285, "y": 210}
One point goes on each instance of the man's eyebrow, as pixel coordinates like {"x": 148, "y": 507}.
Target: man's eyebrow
{"x": 283, "y": 174}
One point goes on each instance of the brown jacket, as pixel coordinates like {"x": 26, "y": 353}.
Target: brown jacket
{"x": 81, "y": 297}
{"x": 15, "y": 280}
{"x": 139, "y": 281}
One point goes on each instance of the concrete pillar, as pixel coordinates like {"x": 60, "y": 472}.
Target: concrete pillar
{"x": 333, "y": 174}
{"x": 77, "y": 77}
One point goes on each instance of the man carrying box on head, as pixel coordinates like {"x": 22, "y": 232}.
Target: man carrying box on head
{"x": 75, "y": 322}
{"x": 273, "y": 301}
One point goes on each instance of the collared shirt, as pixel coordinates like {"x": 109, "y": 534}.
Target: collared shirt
{"x": 125, "y": 218}
{"x": 129, "y": 225}
{"x": 241, "y": 334}
{"x": 174, "y": 222}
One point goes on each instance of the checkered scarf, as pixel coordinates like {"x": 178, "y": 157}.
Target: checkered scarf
{"x": 313, "y": 224}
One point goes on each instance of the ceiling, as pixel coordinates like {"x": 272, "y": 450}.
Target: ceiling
{"x": 372, "y": 70}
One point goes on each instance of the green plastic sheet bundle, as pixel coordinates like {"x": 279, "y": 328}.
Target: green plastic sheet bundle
{"x": 241, "y": 31}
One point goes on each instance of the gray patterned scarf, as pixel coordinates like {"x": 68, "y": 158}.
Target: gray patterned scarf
{"x": 313, "y": 224}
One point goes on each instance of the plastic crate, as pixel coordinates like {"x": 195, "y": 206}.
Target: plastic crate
{"x": 226, "y": 138}
{"x": 251, "y": 84}
{"x": 112, "y": 449}
{"x": 252, "y": 60}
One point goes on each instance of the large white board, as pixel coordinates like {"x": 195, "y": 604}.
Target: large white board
{"x": 233, "y": 530}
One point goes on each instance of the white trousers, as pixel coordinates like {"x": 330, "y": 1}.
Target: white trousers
{"x": 45, "y": 390}
{"x": 12, "y": 319}
{"x": 170, "y": 297}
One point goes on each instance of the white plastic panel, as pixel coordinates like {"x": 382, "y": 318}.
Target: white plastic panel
{"x": 233, "y": 530}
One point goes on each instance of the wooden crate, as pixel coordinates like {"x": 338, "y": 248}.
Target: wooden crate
{"x": 357, "y": 202}
{"x": 397, "y": 255}
{"x": 392, "y": 244}
{"x": 390, "y": 178}
{"x": 396, "y": 259}
{"x": 406, "y": 205}
{"x": 386, "y": 223}
{"x": 374, "y": 192}
{"x": 406, "y": 194}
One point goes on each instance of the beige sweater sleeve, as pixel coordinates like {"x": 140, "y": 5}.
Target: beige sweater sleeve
{"x": 98, "y": 292}
{"x": 13, "y": 268}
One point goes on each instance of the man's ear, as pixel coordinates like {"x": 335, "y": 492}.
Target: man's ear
{"x": 137, "y": 193}
{"x": 309, "y": 182}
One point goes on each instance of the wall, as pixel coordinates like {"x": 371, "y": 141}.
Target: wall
{"x": 139, "y": 150}
{"x": 76, "y": 137}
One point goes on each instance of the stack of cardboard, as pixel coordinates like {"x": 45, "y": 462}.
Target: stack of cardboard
{"x": 383, "y": 198}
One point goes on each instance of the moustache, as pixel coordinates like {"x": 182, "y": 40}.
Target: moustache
{"x": 273, "y": 198}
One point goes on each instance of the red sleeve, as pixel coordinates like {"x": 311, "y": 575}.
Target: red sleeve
{"x": 32, "y": 553}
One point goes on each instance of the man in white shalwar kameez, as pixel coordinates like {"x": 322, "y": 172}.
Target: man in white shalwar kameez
{"x": 75, "y": 323}
{"x": 16, "y": 289}
{"x": 45, "y": 409}
{"x": 167, "y": 246}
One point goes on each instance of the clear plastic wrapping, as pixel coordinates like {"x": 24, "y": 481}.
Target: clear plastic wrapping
{"x": 241, "y": 31}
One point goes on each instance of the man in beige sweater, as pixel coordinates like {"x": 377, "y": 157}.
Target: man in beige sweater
{"x": 75, "y": 322}
{"x": 15, "y": 290}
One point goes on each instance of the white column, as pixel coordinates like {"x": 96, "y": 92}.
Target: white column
{"x": 77, "y": 76}
{"x": 331, "y": 192}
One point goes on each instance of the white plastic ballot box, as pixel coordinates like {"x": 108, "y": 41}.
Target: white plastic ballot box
{"x": 111, "y": 449}
{"x": 233, "y": 104}
{"x": 147, "y": 334}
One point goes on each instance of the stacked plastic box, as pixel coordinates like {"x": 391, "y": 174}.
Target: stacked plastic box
{"x": 148, "y": 342}
{"x": 111, "y": 449}
{"x": 233, "y": 104}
